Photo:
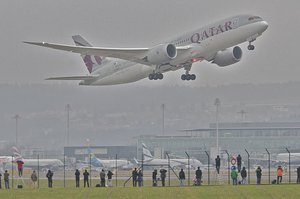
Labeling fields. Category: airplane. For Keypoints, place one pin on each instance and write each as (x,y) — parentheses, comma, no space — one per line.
(109,164)
(149,160)
(215,43)
(284,158)
(35,163)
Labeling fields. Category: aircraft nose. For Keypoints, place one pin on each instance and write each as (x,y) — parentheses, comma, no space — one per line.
(265,25)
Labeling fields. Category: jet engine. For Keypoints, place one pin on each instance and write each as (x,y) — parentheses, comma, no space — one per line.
(161,54)
(228,56)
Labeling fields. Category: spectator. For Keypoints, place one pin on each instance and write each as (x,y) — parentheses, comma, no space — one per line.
(0,181)
(154,180)
(239,163)
(181,177)
(34,179)
(198,176)
(258,175)
(20,167)
(234,175)
(49,175)
(109,178)
(77,178)
(218,163)
(140,178)
(102,178)
(298,175)
(244,175)
(134,177)
(163,176)
(279,174)
(86,178)
(6,179)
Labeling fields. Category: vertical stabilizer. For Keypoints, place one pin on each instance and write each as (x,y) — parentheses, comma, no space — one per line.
(146,153)
(92,62)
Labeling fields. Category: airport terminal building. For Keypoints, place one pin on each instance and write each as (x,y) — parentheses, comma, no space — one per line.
(233,137)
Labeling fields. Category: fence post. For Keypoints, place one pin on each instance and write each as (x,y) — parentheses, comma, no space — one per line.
(169,169)
(289,164)
(208,168)
(90,170)
(188,168)
(269,160)
(116,170)
(12,172)
(249,173)
(228,164)
(64,171)
(38,171)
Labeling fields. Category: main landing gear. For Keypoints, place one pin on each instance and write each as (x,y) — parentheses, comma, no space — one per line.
(156,76)
(187,76)
(250,46)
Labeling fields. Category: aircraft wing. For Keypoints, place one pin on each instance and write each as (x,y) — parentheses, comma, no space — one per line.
(131,54)
(73,78)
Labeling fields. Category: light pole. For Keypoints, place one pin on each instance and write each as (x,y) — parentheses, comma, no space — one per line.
(217,104)
(16,117)
(163,118)
(68,108)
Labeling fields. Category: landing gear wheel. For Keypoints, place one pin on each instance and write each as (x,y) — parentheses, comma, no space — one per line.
(160,76)
(193,77)
(183,77)
(155,76)
(251,47)
(150,77)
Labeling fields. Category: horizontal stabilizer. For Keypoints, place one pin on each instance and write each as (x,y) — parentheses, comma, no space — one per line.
(73,78)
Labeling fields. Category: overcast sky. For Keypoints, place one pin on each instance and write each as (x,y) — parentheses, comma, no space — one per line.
(143,23)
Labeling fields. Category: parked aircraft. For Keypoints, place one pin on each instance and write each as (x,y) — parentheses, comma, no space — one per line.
(149,160)
(215,43)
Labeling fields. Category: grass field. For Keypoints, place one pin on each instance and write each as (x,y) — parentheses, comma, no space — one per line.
(224,192)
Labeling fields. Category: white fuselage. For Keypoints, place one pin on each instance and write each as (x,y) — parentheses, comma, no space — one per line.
(204,43)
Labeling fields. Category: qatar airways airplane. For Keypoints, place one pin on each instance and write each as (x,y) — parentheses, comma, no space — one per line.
(215,43)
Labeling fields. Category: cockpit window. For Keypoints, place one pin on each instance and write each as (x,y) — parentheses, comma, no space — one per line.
(253,18)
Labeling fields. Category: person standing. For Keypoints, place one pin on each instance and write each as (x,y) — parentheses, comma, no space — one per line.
(234,175)
(244,175)
(6,179)
(239,163)
(34,179)
(258,175)
(181,177)
(49,175)
(279,174)
(86,178)
(163,176)
(77,178)
(198,176)
(0,181)
(298,175)
(140,178)
(218,164)
(134,177)
(154,180)
(20,167)
(109,178)
(102,178)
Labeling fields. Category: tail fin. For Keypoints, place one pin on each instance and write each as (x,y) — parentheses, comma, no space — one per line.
(146,153)
(94,160)
(92,62)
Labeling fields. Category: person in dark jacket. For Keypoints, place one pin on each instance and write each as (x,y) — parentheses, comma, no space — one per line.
(0,181)
(109,178)
(244,175)
(6,179)
(86,178)
(102,178)
(198,176)
(258,175)
(49,175)
(134,177)
(163,176)
(181,177)
(218,163)
(239,162)
(154,180)
(77,177)
(140,178)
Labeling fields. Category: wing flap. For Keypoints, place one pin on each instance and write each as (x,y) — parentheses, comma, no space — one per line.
(73,78)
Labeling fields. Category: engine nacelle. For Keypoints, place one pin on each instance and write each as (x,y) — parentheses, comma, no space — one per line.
(161,54)
(228,56)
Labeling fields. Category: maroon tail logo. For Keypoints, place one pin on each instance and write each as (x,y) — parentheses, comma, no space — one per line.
(89,62)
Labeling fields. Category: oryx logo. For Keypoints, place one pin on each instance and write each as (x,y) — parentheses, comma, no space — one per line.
(91,61)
